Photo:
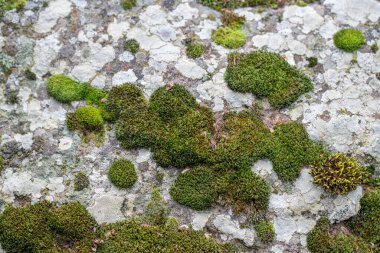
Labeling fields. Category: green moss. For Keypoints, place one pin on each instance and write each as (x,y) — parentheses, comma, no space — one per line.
(94,96)
(339,174)
(291,149)
(72,222)
(265,231)
(301,4)
(132,46)
(64,89)
(7,5)
(266,74)
(194,50)
(229,18)
(25,229)
(81,181)
(1,164)
(136,237)
(30,75)
(349,40)
(320,240)
(122,174)
(374,48)
(366,224)
(243,140)
(313,61)
(222,4)
(244,191)
(87,118)
(128,4)
(156,211)
(229,37)
(194,188)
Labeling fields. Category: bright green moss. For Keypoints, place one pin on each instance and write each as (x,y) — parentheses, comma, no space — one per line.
(194,188)
(244,191)
(87,118)
(136,237)
(291,149)
(128,4)
(122,174)
(194,50)
(7,5)
(243,141)
(367,223)
(266,74)
(64,89)
(232,4)
(81,181)
(265,231)
(132,46)
(72,221)
(320,240)
(229,37)
(25,229)
(349,40)
(313,61)
(156,211)
(339,174)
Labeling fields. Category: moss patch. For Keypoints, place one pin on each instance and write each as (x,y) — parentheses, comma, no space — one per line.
(7,5)
(122,174)
(221,4)
(194,50)
(81,181)
(266,74)
(229,37)
(128,4)
(1,164)
(156,211)
(132,46)
(349,40)
(194,188)
(64,89)
(265,231)
(339,174)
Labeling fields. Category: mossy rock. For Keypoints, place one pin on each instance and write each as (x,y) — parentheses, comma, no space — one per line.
(266,74)
(64,89)
(349,40)
(122,174)
(244,191)
(339,174)
(134,236)
(194,188)
(229,37)
(232,4)
(265,231)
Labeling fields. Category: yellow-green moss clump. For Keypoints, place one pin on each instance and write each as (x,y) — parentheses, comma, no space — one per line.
(367,223)
(339,174)
(132,46)
(349,40)
(7,5)
(122,174)
(194,49)
(222,4)
(85,119)
(266,74)
(44,227)
(321,240)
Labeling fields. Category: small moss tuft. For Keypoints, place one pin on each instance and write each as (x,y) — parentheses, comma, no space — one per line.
(223,4)
(349,40)
(64,89)
(194,50)
(87,118)
(313,61)
(156,211)
(229,18)
(374,48)
(229,37)
(339,174)
(7,5)
(128,4)
(265,231)
(194,188)
(1,164)
(81,181)
(132,46)
(266,74)
(30,75)
(122,174)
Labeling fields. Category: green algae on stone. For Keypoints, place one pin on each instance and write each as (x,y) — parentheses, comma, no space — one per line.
(266,74)
(194,188)
(229,37)
(122,174)
(349,40)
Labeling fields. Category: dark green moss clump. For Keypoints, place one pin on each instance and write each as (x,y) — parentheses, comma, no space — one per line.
(44,227)
(266,74)
(128,4)
(349,40)
(122,174)
(222,4)
(313,61)
(367,223)
(194,188)
(244,191)
(137,237)
(194,50)
(265,231)
(132,46)
(30,75)
(321,240)
(81,181)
